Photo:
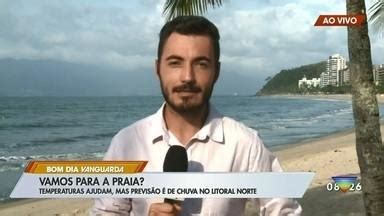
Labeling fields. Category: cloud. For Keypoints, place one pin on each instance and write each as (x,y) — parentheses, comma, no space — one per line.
(80,33)
(277,35)
(258,38)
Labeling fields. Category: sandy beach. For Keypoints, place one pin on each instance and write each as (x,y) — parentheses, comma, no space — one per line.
(326,156)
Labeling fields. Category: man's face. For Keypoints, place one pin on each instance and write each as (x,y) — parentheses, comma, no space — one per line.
(187,71)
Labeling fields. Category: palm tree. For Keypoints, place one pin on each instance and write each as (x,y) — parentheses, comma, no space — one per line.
(369,146)
(174,8)
(377,15)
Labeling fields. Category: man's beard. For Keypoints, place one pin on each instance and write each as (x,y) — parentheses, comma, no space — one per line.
(186,107)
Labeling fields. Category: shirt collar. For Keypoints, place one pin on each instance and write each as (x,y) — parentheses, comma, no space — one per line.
(212,128)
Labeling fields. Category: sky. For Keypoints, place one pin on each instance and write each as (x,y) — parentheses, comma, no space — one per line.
(258,38)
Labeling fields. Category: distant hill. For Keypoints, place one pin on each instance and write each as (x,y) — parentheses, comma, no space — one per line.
(56,78)
(286,81)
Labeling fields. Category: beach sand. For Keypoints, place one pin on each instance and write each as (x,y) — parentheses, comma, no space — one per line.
(326,156)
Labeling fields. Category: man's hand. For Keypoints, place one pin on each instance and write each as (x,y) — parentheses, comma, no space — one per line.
(164,209)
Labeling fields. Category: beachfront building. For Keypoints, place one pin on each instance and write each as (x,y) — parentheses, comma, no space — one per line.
(335,64)
(378,74)
(304,82)
(344,76)
(324,79)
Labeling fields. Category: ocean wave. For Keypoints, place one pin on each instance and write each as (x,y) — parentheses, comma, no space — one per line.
(333,113)
(11,167)
(15,158)
(331,100)
(302,122)
(328,114)
(343,111)
(278,127)
(52,156)
(62,140)
(57,124)
(295,119)
(17,162)
(269,127)
(42,142)
(93,136)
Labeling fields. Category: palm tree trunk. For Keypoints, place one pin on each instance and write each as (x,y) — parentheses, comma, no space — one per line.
(369,146)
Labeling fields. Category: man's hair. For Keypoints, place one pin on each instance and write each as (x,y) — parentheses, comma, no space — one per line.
(190,25)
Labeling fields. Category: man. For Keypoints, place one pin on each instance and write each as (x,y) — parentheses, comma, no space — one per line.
(188,66)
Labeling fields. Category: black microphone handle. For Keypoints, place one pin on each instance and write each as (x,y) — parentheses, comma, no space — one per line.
(173,201)
(176,160)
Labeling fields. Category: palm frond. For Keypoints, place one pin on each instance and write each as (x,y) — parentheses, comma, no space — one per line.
(174,8)
(376,15)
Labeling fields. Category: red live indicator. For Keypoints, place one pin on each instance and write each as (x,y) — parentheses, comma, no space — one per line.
(340,20)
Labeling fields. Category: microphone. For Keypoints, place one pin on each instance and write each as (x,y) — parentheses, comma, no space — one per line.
(176,160)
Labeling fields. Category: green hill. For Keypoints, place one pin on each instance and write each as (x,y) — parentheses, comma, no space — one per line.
(286,81)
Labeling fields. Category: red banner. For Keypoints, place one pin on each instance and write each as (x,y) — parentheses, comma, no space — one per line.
(340,20)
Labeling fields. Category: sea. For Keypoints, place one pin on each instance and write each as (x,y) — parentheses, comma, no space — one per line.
(60,128)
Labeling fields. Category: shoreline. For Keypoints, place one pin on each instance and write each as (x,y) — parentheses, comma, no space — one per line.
(308,141)
(340,97)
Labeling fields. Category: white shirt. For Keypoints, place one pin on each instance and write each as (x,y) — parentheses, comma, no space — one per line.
(221,145)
